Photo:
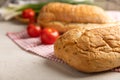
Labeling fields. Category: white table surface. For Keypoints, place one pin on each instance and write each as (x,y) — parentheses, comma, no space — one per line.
(17,64)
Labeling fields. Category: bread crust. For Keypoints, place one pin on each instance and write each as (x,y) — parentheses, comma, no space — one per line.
(73,13)
(61,15)
(92,50)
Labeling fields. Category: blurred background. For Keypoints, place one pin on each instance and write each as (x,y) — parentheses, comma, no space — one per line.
(109,4)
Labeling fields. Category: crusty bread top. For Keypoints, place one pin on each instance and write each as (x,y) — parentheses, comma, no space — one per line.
(91,39)
(68,13)
(101,39)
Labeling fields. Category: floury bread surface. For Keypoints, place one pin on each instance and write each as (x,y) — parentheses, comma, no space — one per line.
(63,16)
(92,50)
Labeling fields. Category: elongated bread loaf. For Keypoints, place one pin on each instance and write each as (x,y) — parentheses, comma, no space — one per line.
(73,13)
(61,15)
(92,50)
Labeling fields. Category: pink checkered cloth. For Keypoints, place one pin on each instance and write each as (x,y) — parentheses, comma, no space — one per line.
(35,46)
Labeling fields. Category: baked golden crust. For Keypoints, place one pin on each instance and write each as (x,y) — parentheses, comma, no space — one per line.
(61,15)
(90,50)
(73,13)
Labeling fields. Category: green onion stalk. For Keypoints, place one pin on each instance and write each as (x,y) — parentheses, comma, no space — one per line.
(13,10)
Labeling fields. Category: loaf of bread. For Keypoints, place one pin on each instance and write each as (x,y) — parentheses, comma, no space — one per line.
(63,16)
(93,50)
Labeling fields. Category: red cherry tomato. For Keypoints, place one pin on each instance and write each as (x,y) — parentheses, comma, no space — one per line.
(33,30)
(28,13)
(49,35)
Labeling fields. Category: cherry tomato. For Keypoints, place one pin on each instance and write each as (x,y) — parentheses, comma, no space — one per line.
(49,35)
(28,13)
(33,30)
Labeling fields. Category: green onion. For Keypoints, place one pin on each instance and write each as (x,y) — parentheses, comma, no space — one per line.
(14,10)
(40,5)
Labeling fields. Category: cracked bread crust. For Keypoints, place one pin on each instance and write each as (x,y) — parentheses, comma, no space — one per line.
(93,50)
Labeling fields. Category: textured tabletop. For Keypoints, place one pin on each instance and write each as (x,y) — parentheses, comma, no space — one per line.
(17,64)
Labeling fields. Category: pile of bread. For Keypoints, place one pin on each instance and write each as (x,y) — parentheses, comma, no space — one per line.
(91,39)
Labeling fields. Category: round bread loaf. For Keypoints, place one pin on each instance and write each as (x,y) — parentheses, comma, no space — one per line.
(92,50)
